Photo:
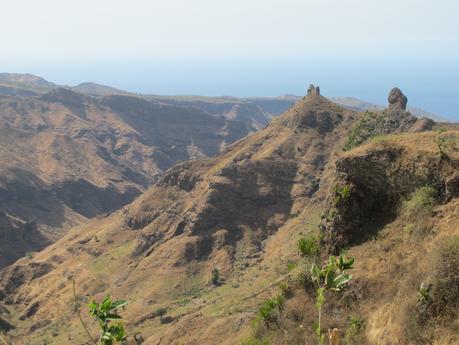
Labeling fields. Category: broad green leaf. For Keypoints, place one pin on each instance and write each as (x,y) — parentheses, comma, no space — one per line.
(113,317)
(330,279)
(118,304)
(118,331)
(315,273)
(342,280)
(348,264)
(106,303)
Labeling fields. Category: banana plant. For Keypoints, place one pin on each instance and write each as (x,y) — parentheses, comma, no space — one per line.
(105,313)
(331,277)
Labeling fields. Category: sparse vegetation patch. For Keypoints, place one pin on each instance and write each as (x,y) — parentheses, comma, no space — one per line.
(419,203)
(367,127)
(215,276)
(445,281)
(308,246)
(437,299)
(341,192)
(447,144)
(354,329)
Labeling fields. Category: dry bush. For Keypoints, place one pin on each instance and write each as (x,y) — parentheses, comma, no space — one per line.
(297,322)
(437,302)
(445,280)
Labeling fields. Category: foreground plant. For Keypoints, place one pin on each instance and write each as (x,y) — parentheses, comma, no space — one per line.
(330,277)
(105,313)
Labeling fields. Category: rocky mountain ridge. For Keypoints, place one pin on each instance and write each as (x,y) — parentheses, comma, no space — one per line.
(15,84)
(67,157)
(240,211)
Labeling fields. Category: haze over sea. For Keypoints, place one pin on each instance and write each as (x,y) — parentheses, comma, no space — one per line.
(432,85)
(356,48)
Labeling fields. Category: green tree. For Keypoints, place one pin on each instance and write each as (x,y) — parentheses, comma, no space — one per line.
(330,277)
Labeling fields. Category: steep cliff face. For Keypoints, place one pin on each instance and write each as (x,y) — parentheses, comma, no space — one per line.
(241,212)
(371,183)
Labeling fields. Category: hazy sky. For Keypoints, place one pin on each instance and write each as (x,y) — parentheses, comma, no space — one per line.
(241,47)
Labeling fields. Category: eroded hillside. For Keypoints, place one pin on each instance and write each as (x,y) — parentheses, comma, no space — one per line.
(393,206)
(240,212)
(68,157)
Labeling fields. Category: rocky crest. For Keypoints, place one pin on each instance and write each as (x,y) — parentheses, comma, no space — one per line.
(397,118)
(252,175)
(313,90)
(393,119)
(396,99)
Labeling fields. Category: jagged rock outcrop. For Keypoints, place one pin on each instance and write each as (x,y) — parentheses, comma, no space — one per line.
(396,118)
(371,182)
(313,90)
(393,119)
(397,100)
(14,276)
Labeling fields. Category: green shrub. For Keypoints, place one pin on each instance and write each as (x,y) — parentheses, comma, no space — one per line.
(161,312)
(341,193)
(447,144)
(291,265)
(354,328)
(269,310)
(285,290)
(423,294)
(369,125)
(419,203)
(215,276)
(183,302)
(308,246)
